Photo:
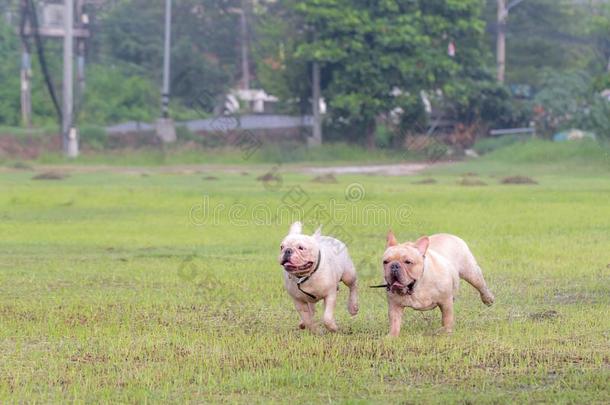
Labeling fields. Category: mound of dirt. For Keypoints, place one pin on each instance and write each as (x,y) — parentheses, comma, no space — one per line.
(518,180)
(268,177)
(466,181)
(50,176)
(327,178)
(425,181)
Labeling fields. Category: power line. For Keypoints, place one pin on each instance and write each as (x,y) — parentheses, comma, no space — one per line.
(42,59)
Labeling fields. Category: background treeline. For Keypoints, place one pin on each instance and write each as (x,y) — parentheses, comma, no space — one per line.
(376,58)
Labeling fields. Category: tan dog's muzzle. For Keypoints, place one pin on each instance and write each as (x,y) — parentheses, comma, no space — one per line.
(399,282)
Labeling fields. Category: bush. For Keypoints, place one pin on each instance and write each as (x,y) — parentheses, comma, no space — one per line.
(113,95)
(571,101)
(487,103)
(93,136)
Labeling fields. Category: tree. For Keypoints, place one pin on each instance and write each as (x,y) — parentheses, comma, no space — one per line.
(542,35)
(369,50)
(204,45)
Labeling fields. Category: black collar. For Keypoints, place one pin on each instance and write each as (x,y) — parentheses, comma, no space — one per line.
(301,280)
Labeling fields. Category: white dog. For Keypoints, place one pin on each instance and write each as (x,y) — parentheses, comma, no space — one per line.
(313,266)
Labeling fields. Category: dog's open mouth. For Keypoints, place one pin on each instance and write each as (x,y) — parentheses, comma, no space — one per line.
(291,268)
(399,288)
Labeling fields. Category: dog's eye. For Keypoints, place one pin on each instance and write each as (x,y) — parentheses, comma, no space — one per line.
(408,262)
(386,261)
(301,248)
(282,247)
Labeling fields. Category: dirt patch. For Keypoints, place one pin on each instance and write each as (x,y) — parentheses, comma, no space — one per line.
(327,178)
(425,181)
(406,169)
(544,315)
(245,173)
(210,178)
(50,176)
(518,180)
(466,181)
(269,177)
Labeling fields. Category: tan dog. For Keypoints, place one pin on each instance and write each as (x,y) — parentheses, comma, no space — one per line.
(313,266)
(426,274)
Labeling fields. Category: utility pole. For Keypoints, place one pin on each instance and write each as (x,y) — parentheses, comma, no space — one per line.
(165,125)
(26,70)
(83,21)
(69,134)
(316,138)
(501,41)
(245,68)
(502,17)
(166,59)
(26,88)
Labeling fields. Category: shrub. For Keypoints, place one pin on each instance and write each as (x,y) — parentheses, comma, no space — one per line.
(93,136)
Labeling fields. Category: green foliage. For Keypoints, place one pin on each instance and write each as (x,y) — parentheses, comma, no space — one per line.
(204,47)
(93,137)
(602,82)
(113,95)
(9,77)
(368,50)
(598,29)
(543,35)
(486,102)
(569,101)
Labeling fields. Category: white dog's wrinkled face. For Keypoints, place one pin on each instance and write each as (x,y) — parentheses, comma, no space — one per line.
(403,264)
(298,252)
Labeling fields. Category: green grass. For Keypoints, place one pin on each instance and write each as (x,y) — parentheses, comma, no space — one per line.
(110,292)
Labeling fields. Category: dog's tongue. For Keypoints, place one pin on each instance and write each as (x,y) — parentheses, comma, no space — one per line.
(397,285)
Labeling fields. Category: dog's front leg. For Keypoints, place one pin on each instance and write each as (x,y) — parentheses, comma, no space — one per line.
(330,302)
(447,311)
(395,314)
(306,311)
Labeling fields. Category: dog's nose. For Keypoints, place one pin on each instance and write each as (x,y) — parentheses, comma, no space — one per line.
(288,252)
(394,268)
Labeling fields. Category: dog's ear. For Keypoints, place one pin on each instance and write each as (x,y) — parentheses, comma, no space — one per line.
(318,232)
(391,239)
(296,228)
(422,244)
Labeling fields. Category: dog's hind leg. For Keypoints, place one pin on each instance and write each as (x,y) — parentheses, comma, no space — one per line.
(474,276)
(350,279)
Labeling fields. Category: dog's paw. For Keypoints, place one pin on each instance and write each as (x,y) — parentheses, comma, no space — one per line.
(353,308)
(443,331)
(488,299)
(331,326)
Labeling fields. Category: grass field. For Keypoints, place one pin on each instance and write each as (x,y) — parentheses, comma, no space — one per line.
(118,287)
